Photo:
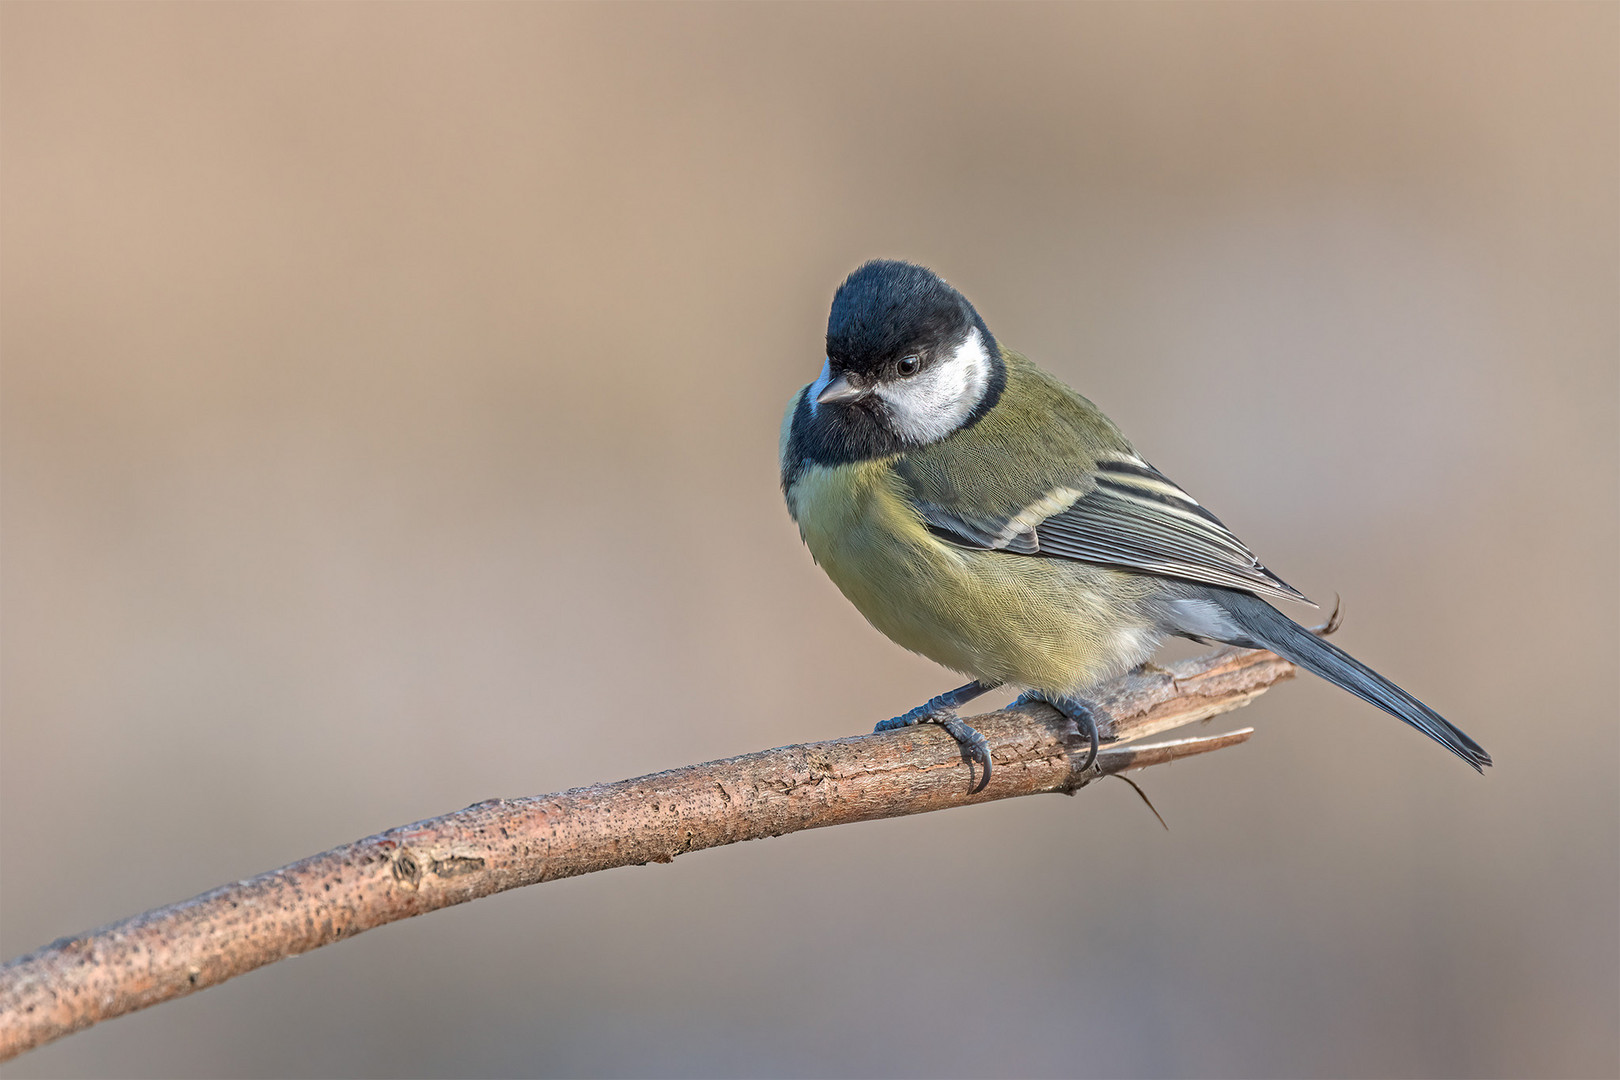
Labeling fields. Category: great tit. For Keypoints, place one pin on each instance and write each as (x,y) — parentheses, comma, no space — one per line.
(981,513)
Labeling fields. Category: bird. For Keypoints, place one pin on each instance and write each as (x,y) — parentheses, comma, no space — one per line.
(979,512)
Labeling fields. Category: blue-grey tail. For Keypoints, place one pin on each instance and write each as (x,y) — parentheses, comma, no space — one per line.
(1264,627)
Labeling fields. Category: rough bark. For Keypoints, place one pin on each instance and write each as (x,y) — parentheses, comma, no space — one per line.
(506,843)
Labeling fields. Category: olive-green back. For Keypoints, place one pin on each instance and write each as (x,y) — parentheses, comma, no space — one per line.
(1040,437)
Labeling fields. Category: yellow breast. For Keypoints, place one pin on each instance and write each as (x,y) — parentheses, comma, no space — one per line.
(1034,622)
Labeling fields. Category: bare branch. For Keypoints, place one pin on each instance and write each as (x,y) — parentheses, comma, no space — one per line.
(506,843)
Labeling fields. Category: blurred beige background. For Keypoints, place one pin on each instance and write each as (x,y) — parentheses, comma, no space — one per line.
(389,422)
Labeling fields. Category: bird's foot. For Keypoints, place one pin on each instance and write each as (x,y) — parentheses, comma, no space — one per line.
(1090,719)
(941,710)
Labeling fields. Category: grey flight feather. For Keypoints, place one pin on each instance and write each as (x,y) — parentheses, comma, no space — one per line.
(1132,517)
(1240,619)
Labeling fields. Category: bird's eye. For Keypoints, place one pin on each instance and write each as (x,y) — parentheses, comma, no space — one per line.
(908,366)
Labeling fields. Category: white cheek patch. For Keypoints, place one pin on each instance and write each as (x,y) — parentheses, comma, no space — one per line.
(936,402)
(820,384)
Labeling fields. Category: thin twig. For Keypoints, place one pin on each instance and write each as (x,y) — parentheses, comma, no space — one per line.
(1144,797)
(506,843)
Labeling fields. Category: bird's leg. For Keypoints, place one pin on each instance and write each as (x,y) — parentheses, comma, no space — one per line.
(941,710)
(1091,719)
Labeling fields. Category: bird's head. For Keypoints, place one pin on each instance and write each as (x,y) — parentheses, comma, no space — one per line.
(908,359)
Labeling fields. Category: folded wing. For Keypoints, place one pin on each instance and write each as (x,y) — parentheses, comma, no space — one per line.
(1128,515)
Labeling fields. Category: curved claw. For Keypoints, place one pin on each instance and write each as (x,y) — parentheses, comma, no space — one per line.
(1088,718)
(974,747)
(1089,727)
(941,710)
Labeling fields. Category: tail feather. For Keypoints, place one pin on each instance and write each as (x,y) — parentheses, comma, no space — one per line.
(1264,627)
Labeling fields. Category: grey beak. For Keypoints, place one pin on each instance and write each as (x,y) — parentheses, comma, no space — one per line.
(840,390)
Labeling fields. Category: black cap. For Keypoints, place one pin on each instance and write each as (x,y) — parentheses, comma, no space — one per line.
(888,309)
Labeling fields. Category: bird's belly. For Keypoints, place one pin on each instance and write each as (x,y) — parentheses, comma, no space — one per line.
(1052,625)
